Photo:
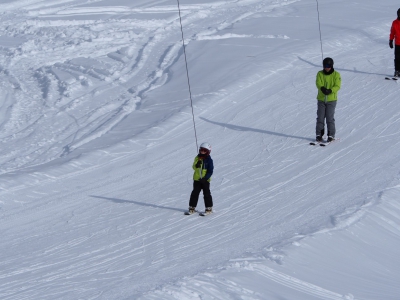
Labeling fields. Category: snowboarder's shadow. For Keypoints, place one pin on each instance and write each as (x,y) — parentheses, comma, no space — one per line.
(241,128)
(119,201)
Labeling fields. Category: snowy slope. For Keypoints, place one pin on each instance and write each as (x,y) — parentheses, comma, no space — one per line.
(356,261)
(97,143)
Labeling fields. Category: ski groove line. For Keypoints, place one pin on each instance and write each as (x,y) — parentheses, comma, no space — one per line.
(297,284)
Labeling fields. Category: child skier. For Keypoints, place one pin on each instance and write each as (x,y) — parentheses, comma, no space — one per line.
(203,169)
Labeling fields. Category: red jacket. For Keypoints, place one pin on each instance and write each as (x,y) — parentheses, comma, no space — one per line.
(395,32)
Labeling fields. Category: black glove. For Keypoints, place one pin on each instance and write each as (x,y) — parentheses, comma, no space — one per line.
(326,91)
(198,164)
(391,44)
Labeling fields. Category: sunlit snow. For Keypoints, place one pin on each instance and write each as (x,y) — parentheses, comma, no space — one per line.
(97,142)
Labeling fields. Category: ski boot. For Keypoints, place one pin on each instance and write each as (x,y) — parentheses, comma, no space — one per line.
(190,211)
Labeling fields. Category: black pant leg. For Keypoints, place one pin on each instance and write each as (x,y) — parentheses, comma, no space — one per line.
(208,202)
(397,57)
(194,196)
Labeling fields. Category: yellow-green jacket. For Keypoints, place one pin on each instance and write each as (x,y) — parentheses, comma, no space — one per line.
(331,81)
(205,170)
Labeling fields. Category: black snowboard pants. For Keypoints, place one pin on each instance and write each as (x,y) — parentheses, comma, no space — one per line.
(194,196)
(326,111)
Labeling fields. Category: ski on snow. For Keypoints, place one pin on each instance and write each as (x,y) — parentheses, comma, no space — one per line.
(323,144)
(204,213)
(391,78)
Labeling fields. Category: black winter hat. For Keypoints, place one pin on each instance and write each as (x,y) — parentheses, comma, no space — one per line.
(327,62)
(398,12)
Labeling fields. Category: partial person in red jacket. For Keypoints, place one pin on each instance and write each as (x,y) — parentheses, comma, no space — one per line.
(395,35)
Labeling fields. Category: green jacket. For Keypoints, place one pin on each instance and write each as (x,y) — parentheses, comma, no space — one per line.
(332,81)
(205,170)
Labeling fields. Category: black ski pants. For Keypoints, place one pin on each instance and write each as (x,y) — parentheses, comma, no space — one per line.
(326,110)
(397,57)
(194,196)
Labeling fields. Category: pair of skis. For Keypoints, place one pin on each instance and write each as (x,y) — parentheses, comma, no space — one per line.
(391,78)
(322,143)
(203,213)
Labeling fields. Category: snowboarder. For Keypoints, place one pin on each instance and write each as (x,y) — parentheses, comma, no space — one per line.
(328,84)
(395,35)
(203,167)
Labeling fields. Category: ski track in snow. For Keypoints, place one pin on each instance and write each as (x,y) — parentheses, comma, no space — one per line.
(111,236)
(117,74)
(113,69)
(242,276)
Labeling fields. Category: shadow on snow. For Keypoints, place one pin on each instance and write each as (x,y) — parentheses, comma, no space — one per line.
(119,201)
(241,128)
(341,69)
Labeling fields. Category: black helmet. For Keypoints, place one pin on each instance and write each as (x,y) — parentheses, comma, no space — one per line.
(398,12)
(327,62)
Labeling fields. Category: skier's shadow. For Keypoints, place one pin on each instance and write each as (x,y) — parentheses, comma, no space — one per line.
(241,128)
(119,201)
(341,69)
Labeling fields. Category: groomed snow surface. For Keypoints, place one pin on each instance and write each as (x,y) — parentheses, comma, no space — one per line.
(97,143)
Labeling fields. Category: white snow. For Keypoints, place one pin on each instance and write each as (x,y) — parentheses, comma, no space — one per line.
(97,143)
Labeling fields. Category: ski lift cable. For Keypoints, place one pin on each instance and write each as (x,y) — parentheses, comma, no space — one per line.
(320,34)
(187,75)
